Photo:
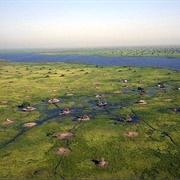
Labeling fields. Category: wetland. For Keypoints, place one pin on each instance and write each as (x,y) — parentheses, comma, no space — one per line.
(88,121)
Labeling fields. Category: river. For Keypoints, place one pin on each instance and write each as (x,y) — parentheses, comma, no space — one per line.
(164,62)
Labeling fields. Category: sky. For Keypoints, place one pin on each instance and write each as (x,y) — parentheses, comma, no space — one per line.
(88,23)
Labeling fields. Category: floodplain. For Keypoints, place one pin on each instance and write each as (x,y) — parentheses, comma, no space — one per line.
(73,120)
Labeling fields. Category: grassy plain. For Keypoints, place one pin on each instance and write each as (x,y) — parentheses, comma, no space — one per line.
(29,152)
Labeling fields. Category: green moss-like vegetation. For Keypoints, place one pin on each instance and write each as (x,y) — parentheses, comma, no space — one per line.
(29,152)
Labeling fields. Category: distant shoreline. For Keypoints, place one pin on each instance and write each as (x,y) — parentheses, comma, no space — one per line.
(154,51)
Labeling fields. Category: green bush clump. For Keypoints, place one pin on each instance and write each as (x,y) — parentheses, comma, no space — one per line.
(25,104)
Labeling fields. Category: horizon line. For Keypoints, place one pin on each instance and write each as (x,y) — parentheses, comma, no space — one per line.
(98,47)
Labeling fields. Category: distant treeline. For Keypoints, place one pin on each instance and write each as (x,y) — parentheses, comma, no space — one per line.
(133,51)
(122,51)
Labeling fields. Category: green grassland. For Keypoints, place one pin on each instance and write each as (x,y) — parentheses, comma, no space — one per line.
(29,152)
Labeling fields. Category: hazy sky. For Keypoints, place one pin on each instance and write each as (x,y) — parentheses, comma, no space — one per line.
(93,23)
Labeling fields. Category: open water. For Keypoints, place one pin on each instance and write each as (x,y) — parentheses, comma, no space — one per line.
(164,62)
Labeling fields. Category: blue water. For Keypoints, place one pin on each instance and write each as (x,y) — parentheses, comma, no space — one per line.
(164,62)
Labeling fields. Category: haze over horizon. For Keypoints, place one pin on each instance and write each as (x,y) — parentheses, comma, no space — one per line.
(83,24)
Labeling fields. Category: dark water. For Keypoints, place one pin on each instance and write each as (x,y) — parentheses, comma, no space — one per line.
(164,62)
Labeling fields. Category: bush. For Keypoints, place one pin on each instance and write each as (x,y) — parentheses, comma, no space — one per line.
(25,104)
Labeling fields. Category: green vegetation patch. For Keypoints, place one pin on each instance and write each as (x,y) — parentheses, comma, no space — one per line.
(132,123)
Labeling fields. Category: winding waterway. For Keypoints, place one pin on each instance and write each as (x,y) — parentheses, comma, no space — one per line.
(164,62)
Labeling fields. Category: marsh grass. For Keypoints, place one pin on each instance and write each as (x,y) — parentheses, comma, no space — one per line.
(149,155)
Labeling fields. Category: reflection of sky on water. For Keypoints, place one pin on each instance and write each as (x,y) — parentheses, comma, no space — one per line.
(164,62)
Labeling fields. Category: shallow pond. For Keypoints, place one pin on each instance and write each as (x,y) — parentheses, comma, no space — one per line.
(163,62)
